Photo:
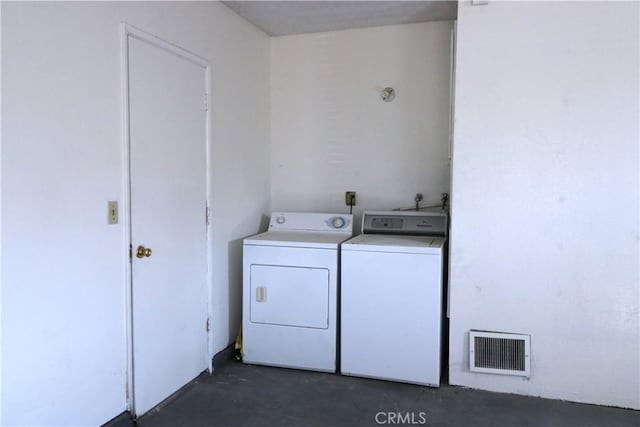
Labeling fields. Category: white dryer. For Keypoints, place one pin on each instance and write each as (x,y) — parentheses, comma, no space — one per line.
(290,291)
(391,297)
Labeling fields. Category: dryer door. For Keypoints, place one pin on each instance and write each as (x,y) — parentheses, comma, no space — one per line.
(290,296)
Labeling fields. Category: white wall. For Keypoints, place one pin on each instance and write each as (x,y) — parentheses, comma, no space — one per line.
(330,131)
(545,195)
(63,341)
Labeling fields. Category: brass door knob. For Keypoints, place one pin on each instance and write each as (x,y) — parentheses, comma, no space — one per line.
(142,252)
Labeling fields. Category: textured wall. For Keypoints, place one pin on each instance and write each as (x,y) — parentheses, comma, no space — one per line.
(544,234)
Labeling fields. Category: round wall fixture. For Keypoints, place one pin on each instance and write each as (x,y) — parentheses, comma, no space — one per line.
(387,94)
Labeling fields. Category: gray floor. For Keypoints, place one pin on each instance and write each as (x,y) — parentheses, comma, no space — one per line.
(244,395)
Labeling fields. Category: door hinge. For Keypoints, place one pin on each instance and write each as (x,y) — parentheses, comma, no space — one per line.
(206,101)
(206,214)
(208,324)
(130,252)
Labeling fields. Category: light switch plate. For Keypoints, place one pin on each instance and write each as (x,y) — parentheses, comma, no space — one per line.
(113,212)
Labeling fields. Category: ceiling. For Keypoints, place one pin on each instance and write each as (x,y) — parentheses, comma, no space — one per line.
(278,18)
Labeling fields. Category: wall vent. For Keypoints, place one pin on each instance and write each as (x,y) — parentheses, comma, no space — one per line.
(499,353)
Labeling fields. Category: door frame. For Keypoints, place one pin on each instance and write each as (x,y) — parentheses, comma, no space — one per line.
(126,31)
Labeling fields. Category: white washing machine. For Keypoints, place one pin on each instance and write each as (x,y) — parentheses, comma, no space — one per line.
(391,297)
(290,291)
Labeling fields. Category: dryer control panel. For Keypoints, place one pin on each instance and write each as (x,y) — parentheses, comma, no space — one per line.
(311,222)
(405,223)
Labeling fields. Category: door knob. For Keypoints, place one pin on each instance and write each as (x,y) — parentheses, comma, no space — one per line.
(142,252)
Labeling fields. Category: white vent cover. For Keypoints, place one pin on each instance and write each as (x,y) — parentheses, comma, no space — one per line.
(499,353)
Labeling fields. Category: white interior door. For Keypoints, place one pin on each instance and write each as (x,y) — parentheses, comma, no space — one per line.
(167,134)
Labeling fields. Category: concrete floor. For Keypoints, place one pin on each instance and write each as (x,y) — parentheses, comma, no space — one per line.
(244,395)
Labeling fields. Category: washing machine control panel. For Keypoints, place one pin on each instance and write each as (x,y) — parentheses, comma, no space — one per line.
(311,222)
(405,223)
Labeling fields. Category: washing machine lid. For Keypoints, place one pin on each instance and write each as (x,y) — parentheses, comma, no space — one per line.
(396,244)
(298,239)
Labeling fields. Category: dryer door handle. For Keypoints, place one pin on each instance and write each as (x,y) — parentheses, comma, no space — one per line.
(261,294)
